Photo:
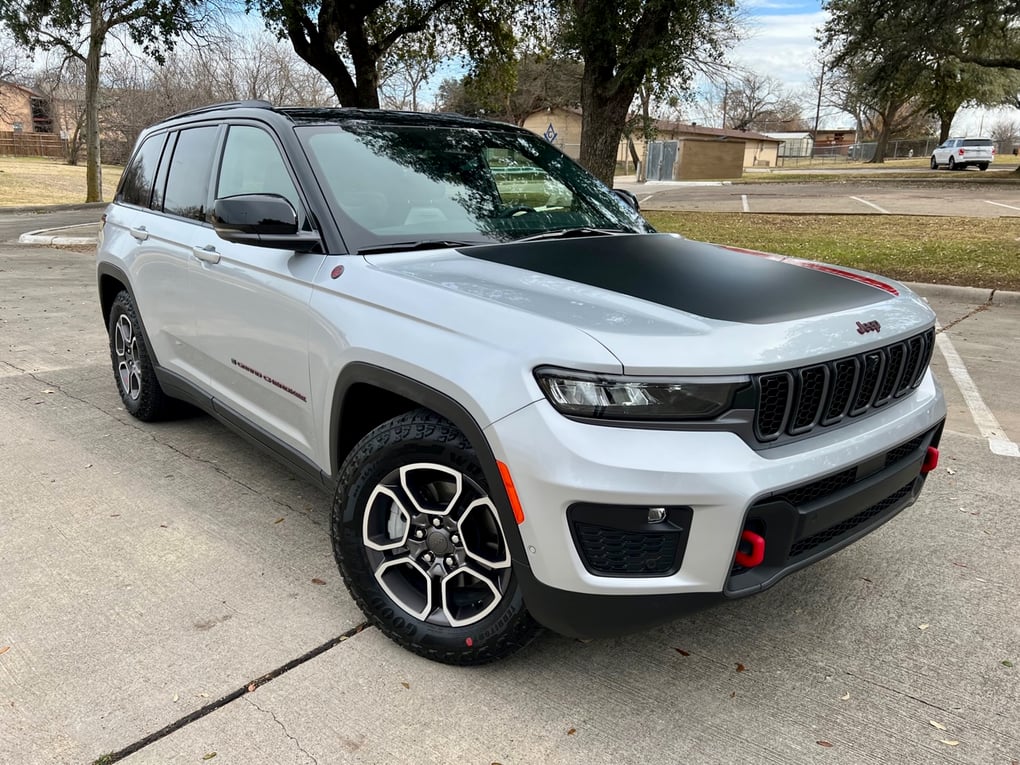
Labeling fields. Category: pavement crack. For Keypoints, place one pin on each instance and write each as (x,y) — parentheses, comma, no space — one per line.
(898,692)
(249,687)
(57,387)
(954,322)
(283,727)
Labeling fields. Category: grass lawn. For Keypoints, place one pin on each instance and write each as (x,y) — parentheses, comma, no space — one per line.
(28,181)
(976,252)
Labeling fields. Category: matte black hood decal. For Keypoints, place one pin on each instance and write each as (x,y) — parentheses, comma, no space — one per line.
(698,278)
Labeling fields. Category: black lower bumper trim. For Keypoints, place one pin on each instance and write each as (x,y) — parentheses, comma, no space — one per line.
(581,615)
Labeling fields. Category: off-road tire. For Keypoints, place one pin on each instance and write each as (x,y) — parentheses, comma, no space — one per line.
(132,368)
(403,445)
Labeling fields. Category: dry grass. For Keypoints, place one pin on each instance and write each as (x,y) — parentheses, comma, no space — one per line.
(976,252)
(26,181)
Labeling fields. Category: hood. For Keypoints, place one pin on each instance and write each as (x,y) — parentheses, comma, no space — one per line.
(666,305)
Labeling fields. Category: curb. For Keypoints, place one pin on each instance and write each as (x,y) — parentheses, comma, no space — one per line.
(965,294)
(49,236)
(54,208)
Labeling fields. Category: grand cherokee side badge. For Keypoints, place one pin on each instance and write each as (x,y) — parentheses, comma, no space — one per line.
(868,326)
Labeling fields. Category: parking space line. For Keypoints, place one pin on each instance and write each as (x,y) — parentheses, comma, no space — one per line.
(983,417)
(1000,204)
(744,203)
(871,204)
(645,199)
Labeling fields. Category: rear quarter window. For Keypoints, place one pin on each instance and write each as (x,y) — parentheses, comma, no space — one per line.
(139,176)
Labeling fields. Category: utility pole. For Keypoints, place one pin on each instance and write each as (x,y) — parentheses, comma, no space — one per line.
(725,98)
(818,108)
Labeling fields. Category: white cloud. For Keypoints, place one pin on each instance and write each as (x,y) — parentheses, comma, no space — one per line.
(781,46)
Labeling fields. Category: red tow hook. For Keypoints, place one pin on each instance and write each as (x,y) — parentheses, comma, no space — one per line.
(757,554)
(931,460)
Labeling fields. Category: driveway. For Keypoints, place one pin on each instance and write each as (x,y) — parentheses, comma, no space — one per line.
(169,594)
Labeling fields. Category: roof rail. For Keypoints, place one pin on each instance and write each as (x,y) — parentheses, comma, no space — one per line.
(253,104)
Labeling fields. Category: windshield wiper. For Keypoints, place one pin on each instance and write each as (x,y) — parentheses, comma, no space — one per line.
(568,233)
(420,244)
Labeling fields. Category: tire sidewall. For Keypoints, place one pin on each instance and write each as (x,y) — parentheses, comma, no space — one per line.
(143,407)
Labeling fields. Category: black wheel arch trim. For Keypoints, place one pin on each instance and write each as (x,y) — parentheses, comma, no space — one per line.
(358,372)
(114,272)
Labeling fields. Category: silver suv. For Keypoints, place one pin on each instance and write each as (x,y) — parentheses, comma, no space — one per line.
(534,409)
(959,153)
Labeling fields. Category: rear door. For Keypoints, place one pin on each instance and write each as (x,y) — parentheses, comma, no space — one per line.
(977,150)
(252,312)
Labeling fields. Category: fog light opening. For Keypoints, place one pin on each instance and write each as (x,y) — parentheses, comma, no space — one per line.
(656,514)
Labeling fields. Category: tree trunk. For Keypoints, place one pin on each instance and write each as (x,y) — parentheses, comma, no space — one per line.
(603,118)
(945,124)
(93,166)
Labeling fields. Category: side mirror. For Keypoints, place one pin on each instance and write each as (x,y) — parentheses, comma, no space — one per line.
(262,220)
(629,198)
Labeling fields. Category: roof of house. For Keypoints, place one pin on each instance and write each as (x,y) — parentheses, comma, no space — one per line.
(673,126)
(801,135)
(31,91)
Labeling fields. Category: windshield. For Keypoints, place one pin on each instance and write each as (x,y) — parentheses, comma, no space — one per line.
(394,184)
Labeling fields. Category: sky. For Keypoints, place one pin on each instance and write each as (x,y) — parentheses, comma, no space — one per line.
(781,43)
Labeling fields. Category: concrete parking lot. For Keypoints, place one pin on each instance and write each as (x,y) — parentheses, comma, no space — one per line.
(875,196)
(167,590)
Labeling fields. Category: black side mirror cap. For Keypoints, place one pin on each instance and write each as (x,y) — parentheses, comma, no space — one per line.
(262,220)
(629,198)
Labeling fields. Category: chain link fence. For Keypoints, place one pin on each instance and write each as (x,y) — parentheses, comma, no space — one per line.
(908,148)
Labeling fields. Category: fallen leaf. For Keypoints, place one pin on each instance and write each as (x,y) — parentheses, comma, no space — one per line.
(48,390)
(740,667)
(88,466)
(826,744)
(406,685)
(318,581)
(733,695)
(251,687)
(572,731)
(949,743)
(938,725)
(4,648)
(176,698)
(682,652)
(208,756)
(950,471)
(845,696)
(204,695)
(163,526)
(923,626)
(1005,662)
(278,520)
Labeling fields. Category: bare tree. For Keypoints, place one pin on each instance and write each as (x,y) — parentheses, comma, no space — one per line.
(760,102)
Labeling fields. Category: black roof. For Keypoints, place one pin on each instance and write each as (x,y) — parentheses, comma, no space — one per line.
(327,115)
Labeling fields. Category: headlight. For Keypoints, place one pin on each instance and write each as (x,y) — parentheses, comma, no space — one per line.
(614,397)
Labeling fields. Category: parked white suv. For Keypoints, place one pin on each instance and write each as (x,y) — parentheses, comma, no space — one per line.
(534,409)
(959,153)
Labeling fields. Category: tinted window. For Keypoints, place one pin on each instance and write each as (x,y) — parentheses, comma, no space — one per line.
(137,181)
(977,142)
(252,165)
(187,184)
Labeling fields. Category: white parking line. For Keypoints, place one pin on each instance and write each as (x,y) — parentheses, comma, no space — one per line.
(645,198)
(1000,204)
(744,203)
(983,417)
(871,204)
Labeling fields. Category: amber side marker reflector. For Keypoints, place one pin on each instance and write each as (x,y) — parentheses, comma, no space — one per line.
(511,492)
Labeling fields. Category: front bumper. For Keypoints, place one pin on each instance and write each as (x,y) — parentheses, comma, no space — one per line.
(808,498)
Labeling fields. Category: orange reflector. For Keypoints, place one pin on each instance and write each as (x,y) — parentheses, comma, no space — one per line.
(511,492)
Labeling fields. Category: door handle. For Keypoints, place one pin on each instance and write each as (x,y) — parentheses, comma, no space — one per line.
(206,254)
(139,233)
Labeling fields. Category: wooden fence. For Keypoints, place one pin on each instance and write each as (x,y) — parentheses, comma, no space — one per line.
(31,144)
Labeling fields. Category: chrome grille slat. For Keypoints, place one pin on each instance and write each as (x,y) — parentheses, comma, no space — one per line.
(792,403)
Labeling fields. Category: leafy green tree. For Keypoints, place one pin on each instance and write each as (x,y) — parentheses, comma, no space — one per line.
(347,40)
(79,29)
(624,43)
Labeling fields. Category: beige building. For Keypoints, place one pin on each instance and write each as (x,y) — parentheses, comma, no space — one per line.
(562,128)
(24,110)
